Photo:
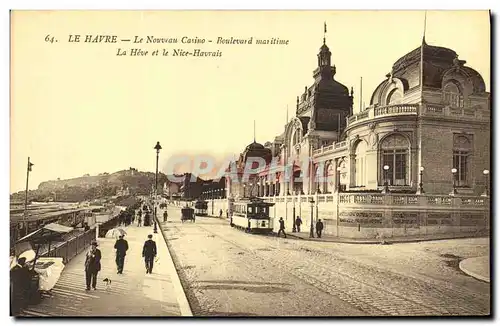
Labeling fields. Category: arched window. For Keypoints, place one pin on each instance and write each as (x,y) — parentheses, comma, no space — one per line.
(360,164)
(394,97)
(452,95)
(395,154)
(330,178)
(462,151)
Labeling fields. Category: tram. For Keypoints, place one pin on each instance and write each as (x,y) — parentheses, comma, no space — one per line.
(251,215)
(201,207)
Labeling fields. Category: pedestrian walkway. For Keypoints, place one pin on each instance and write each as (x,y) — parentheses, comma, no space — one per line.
(133,293)
(477,267)
(414,238)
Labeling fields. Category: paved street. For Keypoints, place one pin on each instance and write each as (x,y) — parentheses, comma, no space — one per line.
(227,272)
(133,293)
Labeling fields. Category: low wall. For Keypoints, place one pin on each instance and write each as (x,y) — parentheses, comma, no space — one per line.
(374,216)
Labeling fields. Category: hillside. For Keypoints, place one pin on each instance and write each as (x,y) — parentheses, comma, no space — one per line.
(92,187)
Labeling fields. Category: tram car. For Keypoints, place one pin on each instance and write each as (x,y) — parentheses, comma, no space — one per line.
(251,215)
(201,208)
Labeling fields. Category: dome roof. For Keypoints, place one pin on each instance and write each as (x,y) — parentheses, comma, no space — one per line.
(254,146)
(324,48)
(432,54)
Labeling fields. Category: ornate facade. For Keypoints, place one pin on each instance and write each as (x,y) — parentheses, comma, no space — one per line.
(430,116)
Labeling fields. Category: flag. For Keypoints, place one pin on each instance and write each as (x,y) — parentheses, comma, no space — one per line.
(325,27)
(30,165)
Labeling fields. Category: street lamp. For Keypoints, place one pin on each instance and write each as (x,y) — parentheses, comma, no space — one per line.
(25,215)
(244,192)
(486,183)
(454,174)
(386,184)
(311,234)
(421,184)
(157,147)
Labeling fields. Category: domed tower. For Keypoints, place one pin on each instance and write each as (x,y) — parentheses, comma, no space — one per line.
(327,103)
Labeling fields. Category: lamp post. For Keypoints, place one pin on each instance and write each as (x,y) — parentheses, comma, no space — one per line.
(157,147)
(311,233)
(244,190)
(386,183)
(486,183)
(454,174)
(25,215)
(421,184)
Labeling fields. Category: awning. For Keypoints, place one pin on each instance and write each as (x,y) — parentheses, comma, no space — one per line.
(49,231)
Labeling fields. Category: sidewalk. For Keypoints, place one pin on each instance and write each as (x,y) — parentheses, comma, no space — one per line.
(416,238)
(478,267)
(133,293)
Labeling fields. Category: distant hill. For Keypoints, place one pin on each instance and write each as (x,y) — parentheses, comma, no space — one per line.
(87,187)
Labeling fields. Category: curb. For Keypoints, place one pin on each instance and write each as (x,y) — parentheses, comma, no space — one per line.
(475,275)
(182,300)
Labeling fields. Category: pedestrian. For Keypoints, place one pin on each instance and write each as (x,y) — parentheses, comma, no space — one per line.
(220,213)
(92,265)
(121,246)
(165,216)
(319,228)
(20,277)
(149,253)
(298,223)
(282,227)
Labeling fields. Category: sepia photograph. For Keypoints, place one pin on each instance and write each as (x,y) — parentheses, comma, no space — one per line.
(253,163)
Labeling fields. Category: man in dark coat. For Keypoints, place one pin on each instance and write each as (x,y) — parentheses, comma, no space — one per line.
(282,227)
(319,228)
(92,265)
(121,247)
(298,223)
(149,253)
(20,286)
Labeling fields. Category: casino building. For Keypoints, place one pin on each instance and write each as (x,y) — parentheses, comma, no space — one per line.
(427,123)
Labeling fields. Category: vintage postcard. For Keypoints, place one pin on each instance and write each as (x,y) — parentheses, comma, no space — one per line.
(250,163)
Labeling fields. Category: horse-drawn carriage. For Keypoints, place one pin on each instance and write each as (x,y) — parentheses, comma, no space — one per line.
(187,214)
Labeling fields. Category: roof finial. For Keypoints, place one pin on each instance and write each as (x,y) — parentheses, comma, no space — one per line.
(324,35)
(254,131)
(425,26)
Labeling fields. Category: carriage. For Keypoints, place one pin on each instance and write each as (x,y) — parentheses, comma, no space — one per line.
(201,208)
(251,215)
(187,214)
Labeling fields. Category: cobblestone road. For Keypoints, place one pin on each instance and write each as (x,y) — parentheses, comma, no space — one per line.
(229,272)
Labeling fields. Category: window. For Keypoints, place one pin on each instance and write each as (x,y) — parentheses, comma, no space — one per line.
(452,96)
(330,178)
(462,150)
(394,97)
(394,151)
(360,164)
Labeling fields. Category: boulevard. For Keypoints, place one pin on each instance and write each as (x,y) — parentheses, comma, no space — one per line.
(227,272)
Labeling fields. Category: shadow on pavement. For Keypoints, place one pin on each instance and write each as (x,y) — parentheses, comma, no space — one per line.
(249,288)
(242,282)
(228,314)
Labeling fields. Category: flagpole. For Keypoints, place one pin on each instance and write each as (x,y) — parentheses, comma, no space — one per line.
(26,198)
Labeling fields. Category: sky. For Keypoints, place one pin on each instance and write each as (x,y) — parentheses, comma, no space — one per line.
(78,108)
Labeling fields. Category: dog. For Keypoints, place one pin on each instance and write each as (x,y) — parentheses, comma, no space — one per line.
(108,283)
